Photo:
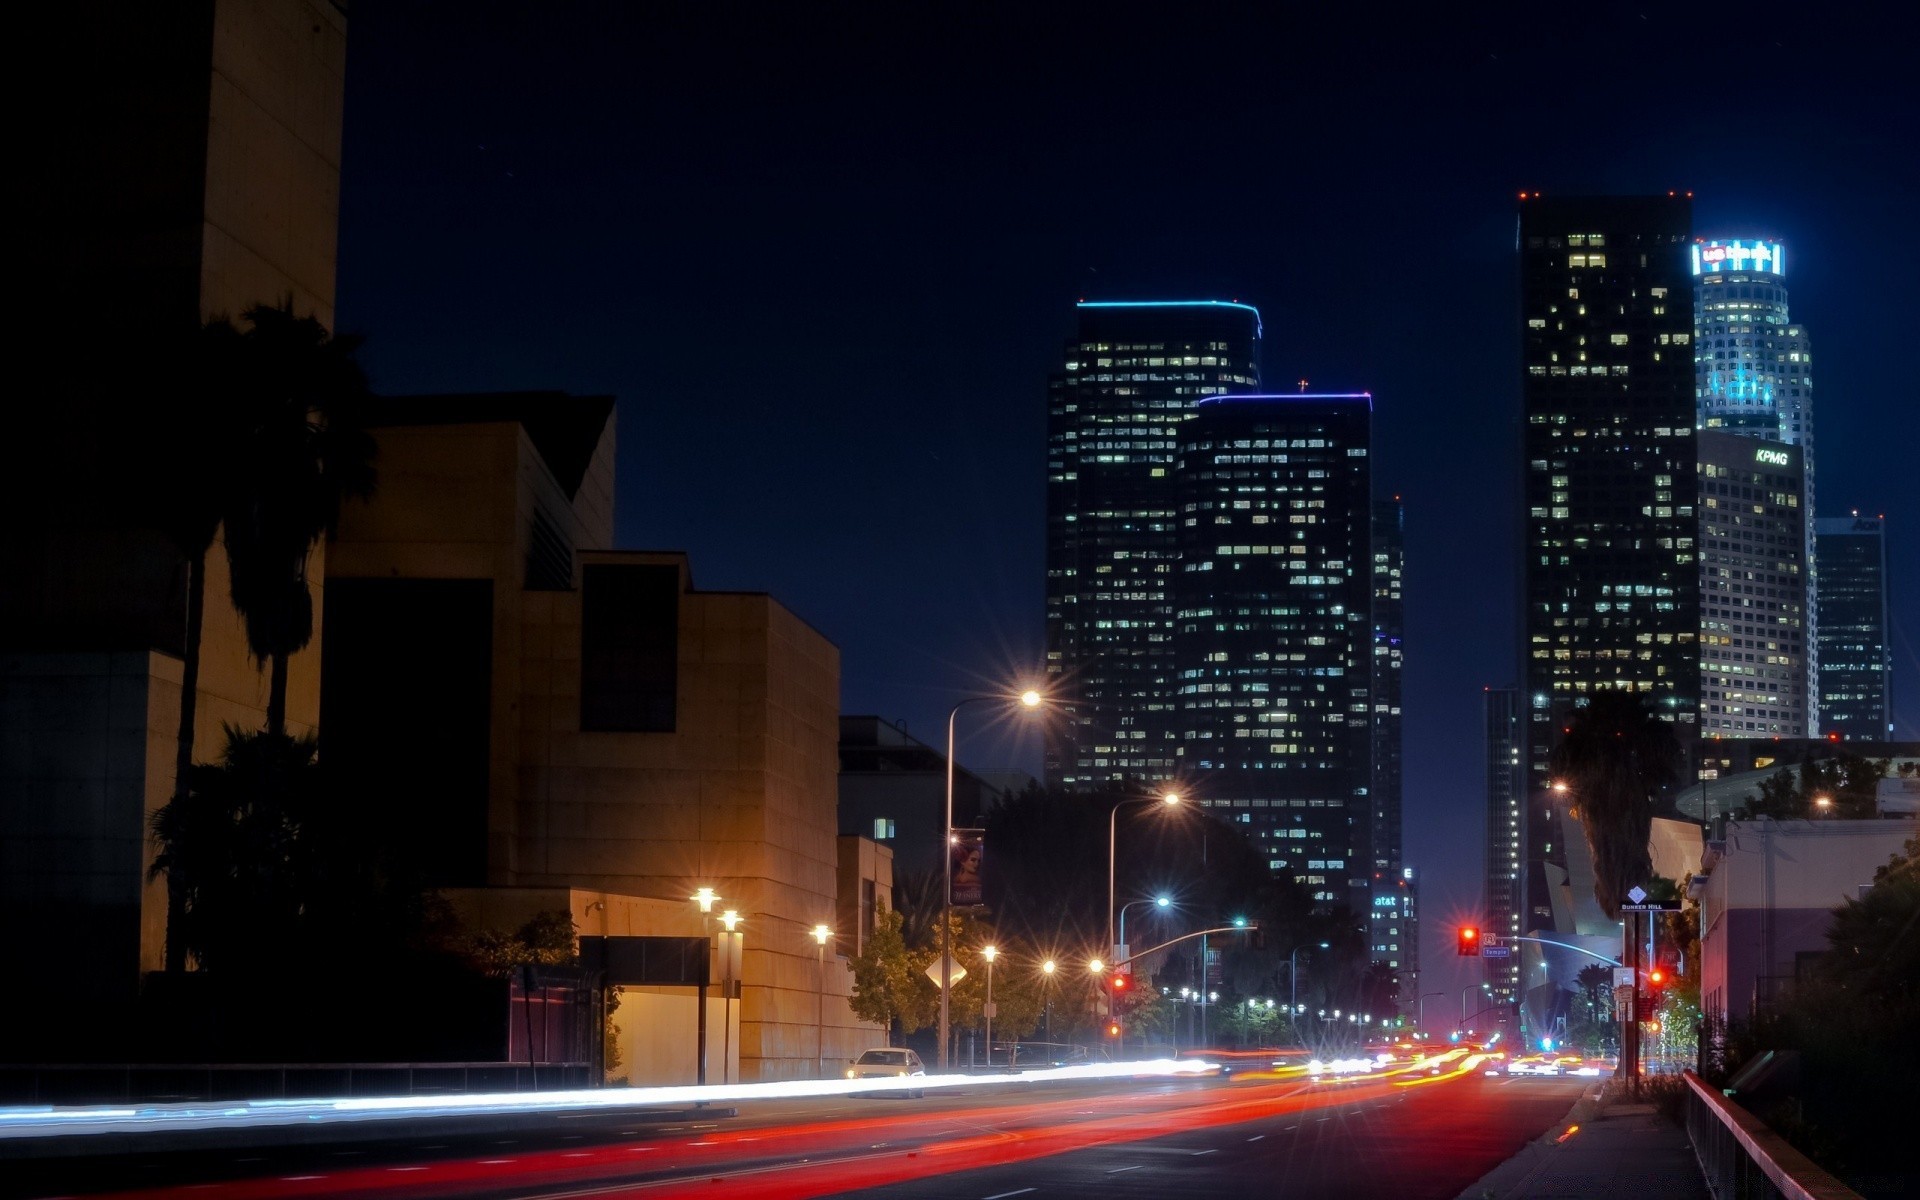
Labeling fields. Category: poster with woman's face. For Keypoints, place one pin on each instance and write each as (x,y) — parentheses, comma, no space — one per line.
(967,847)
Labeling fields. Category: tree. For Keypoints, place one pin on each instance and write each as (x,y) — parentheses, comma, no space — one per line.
(239,844)
(1614,755)
(888,988)
(303,450)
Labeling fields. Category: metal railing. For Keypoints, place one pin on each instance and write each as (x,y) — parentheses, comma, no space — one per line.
(171,1082)
(1745,1160)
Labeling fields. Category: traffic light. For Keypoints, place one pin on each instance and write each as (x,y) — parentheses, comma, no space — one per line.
(1469,940)
(1657,976)
(1122,981)
(1113,1029)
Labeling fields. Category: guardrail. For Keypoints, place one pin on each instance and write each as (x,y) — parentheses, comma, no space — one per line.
(86,1083)
(1745,1160)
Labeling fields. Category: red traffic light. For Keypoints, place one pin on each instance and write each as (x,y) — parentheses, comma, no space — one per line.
(1120,981)
(1657,976)
(1469,940)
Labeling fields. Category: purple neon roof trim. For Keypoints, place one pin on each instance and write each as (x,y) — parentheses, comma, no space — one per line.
(1367,396)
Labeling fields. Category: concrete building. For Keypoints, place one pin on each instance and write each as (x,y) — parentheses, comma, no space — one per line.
(1753,589)
(893,789)
(1767,899)
(527,713)
(186,164)
(1503,717)
(1274,629)
(1127,385)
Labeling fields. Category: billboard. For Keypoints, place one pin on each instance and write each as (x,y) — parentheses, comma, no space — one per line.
(1760,257)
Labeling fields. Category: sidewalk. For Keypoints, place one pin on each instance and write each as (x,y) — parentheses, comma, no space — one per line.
(1595,1151)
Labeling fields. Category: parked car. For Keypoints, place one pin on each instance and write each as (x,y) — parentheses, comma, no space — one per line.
(885,1062)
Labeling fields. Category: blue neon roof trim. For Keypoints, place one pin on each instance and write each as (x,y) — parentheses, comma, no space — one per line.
(1258,330)
(1367,396)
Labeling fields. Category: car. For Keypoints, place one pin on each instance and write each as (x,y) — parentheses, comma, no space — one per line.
(888,1062)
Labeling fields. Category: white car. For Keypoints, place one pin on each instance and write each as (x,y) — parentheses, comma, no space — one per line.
(888,1062)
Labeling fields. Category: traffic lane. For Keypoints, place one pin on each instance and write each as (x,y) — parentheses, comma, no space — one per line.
(1373,1141)
(585,1145)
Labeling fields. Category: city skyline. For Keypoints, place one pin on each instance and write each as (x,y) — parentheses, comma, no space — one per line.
(900,295)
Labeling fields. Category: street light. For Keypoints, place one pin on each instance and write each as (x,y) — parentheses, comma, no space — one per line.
(730,937)
(1422,1002)
(1047,969)
(1030,700)
(820,935)
(1824,804)
(1157,902)
(704,897)
(1170,799)
(989,953)
(1293,989)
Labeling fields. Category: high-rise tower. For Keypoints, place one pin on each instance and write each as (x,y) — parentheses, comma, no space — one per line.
(1753,376)
(1387,917)
(1506,792)
(1128,383)
(1610,590)
(1856,659)
(1753,588)
(1273,630)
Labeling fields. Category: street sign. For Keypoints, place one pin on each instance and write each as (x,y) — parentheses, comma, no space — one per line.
(1496,952)
(1653,906)
(1623,977)
(990,1010)
(1637,895)
(933,972)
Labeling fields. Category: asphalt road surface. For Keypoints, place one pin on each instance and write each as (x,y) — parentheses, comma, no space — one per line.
(1408,1135)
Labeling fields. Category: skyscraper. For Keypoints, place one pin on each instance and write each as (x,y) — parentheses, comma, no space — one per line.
(1127,385)
(1273,630)
(1389,626)
(1753,588)
(1611,579)
(1506,794)
(1856,659)
(1753,375)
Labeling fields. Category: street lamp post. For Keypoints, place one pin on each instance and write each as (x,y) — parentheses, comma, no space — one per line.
(1113,842)
(730,937)
(820,935)
(1423,1008)
(1047,969)
(1030,699)
(704,897)
(1293,983)
(989,953)
(1157,902)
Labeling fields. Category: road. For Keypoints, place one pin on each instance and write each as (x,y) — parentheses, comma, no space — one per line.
(1279,1134)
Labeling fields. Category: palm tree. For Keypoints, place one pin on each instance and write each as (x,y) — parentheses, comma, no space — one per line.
(304,450)
(1613,756)
(189,459)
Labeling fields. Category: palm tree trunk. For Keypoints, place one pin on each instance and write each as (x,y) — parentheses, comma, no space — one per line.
(277,696)
(183,755)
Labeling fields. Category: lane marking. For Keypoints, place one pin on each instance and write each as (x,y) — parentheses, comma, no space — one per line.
(1004,1195)
(1117,1170)
(1198,1153)
(1322,1118)
(1256,1137)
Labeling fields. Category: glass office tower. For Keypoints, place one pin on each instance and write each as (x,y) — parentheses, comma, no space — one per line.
(1856,658)
(1128,384)
(1273,630)
(1610,574)
(1753,588)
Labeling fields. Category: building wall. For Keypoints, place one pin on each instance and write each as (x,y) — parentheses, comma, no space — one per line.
(1855,679)
(1769,895)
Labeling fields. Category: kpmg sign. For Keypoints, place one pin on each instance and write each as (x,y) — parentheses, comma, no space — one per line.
(1777,458)
(1764,258)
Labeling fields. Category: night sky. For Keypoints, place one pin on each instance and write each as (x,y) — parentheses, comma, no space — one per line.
(826,258)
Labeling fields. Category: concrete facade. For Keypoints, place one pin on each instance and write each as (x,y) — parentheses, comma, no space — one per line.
(189,168)
(1767,901)
(730,784)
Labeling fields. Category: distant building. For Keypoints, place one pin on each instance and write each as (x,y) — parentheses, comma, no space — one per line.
(1127,386)
(585,725)
(1389,635)
(893,789)
(1767,901)
(1753,588)
(1503,719)
(1726,773)
(1273,630)
(1856,655)
(1610,594)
